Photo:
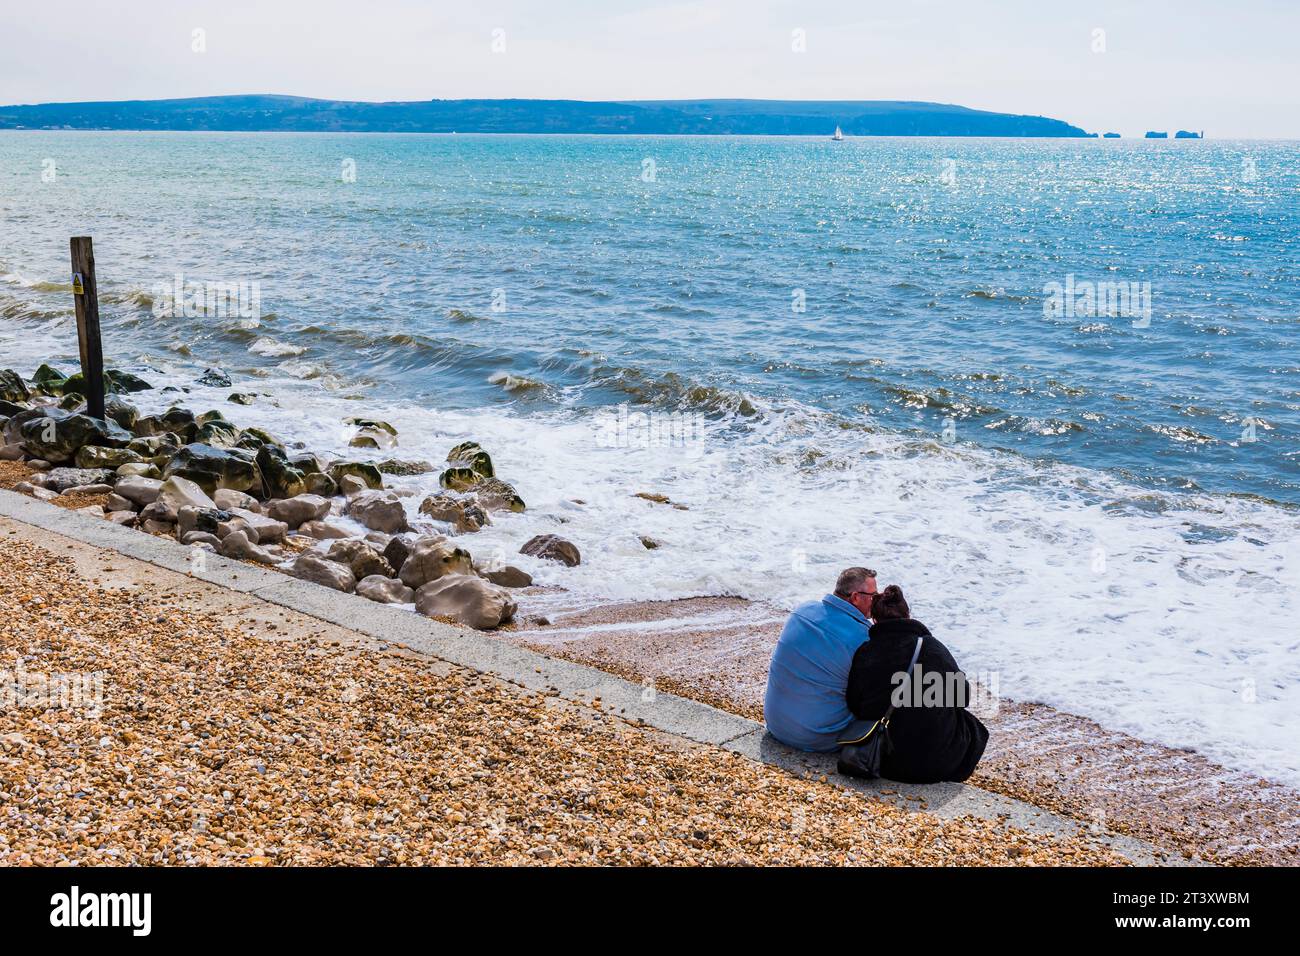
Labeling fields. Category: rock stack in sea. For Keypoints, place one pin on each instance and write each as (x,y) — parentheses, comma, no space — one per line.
(244,494)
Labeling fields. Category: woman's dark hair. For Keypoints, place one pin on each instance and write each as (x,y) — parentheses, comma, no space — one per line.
(890,605)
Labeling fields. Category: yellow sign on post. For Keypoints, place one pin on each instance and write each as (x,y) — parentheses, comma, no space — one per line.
(77,287)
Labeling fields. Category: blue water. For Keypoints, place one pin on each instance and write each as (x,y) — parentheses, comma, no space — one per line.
(924,294)
(1069,501)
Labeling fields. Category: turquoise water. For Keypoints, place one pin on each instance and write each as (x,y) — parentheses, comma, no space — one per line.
(924,293)
(1071,501)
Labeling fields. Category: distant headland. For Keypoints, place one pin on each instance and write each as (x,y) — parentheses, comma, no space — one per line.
(273,113)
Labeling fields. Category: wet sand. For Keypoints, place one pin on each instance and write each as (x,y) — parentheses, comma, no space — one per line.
(717,649)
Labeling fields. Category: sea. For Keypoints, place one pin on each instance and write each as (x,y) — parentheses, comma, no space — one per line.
(1049,387)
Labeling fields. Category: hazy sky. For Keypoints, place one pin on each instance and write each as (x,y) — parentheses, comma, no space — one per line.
(1230,68)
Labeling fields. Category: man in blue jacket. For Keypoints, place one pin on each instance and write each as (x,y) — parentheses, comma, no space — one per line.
(806,681)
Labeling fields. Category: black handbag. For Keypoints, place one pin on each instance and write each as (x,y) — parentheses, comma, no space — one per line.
(861,756)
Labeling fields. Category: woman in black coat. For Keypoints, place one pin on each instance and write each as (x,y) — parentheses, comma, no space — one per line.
(934,736)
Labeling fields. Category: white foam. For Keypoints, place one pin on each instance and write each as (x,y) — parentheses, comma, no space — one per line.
(1184,642)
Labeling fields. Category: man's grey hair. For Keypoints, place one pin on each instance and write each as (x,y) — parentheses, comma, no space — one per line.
(852,579)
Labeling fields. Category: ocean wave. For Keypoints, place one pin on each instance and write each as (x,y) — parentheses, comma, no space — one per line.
(268,346)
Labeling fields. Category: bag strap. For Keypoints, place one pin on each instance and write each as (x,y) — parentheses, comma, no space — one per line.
(916,654)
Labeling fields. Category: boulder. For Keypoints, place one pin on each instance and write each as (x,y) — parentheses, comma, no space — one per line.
(466,598)
(212,468)
(158,512)
(235,523)
(469,454)
(36,491)
(362,558)
(269,531)
(227,498)
(12,386)
(216,432)
(124,413)
(61,479)
(311,566)
(372,438)
(95,489)
(200,537)
(153,526)
(97,456)
(365,471)
(49,380)
(493,494)
(138,470)
(240,398)
(255,438)
(280,479)
(175,492)
(350,485)
(298,509)
(215,378)
(307,463)
(139,490)
(431,558)
(385,590)
(464,514)
(320,484)
(177,420)
(396,552)
(392,466)
(56,435)
(125,382)
(374,424)
(551,547)
(151,446)
(378,511)
(323,530)
(15,451)
(208,520)
(238,545)
(508,576)
(116,502)
(125,517)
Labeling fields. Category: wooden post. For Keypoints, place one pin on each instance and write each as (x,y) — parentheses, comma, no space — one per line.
(87,301)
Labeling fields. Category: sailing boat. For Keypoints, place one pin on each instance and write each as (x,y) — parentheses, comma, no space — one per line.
(839,135)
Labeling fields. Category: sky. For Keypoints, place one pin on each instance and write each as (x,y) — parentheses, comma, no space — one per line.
(1229,68)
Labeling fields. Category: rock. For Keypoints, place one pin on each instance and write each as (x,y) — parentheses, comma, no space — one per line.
(255,438)
(464,514)
(466,598)
(235,523)
(56,435)
(138,470)
(36,491)
(396,552)
(96,456)
(493,494)
(378,511)
(368,473)
(72,403)
(372,423)
(372,438)
(14,451)
(280,479)
(361,557)
(125,382)
(124,413)
(350,485)
(124,517)
(298,509)
(469,454)
(214,377)
(49,380)
(392,466)
(152,526)
(95,511)
(159,512)
(12,386)
(240,398)
(551,547)
(269,531)
(322,530)
(116,502)
(212,468)
(61,479)
(238,545)
(200,537)
(228,498)
(208,520)
(459,478)
(38,464)
(650,543)
(307,463)
(139,490)
(310,566)
(175,421)
(95,489)
(175,492)
(431,558)
(320,484)
(216,432)
(508,576)
(151,446)
(385,590)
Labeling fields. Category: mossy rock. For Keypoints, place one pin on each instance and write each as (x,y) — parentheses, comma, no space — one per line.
(49,380)
(139,470)
(72,401)
(371,423)
(211,468)
(493,494)
(392,466)
(279,478)
(459,478)
(213,415)
(240,398)
(372,438)
(125,382)
(218,432)
(469,454)
(255,438)
(12,408)
(12,386)
(320,484)
(56,435)
(177,420)
(96,456)
(308,463)
(124,413)
(151,446)
(357,469)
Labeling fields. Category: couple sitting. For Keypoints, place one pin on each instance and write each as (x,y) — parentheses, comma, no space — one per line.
(843,661)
